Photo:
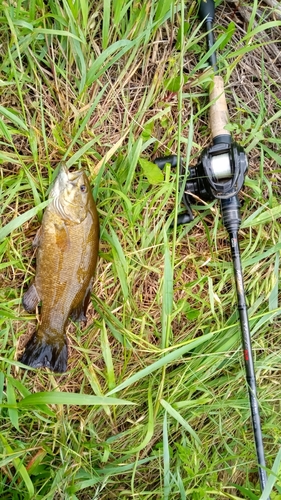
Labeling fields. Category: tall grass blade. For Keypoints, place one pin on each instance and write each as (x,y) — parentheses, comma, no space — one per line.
(19,467)
(273,297)
(106,351)
(167,294)
(273,477)
(120,262)
(106,22)
(166,458)
(176,415)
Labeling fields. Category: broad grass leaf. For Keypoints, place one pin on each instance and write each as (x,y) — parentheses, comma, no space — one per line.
(151,171)
(163,361)
(132,161)
(77,155)
(246,492)
(5,461)
(230,32)
(162,9)
(273,154)
(119,10)
(21,219)
(69,398)
(13,412)
(267,215)
(33,466)
(14,118)
(84,5)
(176,83)
(24,392)
(261,28)
(47,31)
(5,131)
(211,51)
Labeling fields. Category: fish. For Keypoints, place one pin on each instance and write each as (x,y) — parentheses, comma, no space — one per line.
(66,258)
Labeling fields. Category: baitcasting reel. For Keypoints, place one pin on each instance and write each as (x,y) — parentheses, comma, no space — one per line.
(219,174)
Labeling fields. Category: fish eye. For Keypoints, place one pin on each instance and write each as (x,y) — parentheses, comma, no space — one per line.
(83,188)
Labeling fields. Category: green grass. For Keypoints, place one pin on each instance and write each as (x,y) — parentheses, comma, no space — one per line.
(108,86)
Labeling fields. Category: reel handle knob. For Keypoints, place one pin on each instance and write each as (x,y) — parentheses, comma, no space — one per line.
(162,160)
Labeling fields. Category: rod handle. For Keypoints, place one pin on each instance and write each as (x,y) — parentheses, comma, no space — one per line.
(207,10)
(218,110)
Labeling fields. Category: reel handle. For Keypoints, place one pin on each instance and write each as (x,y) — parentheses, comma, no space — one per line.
(187,216)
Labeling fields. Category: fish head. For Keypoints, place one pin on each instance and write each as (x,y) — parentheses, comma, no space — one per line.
(71,195)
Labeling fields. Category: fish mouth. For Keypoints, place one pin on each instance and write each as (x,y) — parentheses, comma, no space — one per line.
(71,175)
(63,178)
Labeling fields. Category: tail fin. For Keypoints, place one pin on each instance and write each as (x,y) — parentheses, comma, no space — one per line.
(39,353)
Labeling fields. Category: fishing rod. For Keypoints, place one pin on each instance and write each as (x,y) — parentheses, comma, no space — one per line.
(220,174)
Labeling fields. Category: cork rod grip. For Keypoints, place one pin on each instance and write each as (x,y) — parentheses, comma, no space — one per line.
(218,109)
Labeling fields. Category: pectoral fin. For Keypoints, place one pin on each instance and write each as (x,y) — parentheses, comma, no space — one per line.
(36,241)
(31,299)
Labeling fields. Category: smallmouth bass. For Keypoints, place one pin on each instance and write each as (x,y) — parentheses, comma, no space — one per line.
(66,258)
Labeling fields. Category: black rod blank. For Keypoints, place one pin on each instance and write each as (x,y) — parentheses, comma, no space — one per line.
(231,218)
(248,356)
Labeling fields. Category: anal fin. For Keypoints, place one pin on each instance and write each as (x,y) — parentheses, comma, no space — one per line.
(79,312)
(36,241)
